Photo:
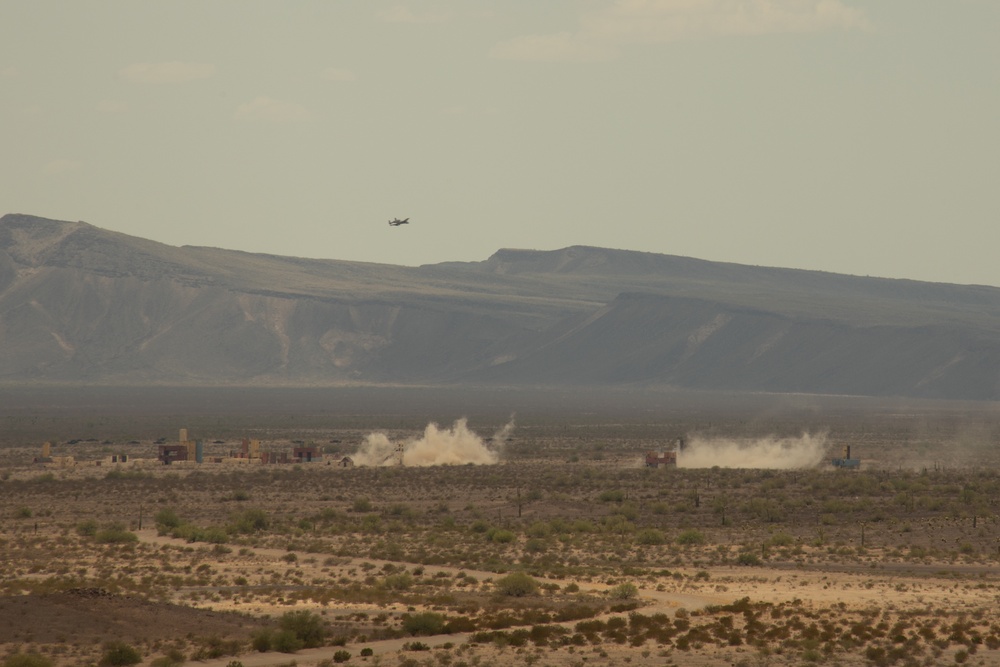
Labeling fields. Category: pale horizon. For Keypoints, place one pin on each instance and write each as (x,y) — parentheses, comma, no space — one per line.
(829,135)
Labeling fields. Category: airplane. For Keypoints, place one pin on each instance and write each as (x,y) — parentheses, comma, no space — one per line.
(396,222)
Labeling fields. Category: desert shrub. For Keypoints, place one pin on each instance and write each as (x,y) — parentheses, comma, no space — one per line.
(691,537)
(27,660)
(87,528)
(286,641)
(748,558)
(416,646)
(260,641)
(426,623)
(167,518)
(535,546)
(120,654)
(459,624)
(23,513)
(367,651)
(306,626)
(215,647)
(249,521)
(623,591)
(341,656)
(171,658)
(362,505)
(115,533)
(650,536)
(516,584)
(612,496)
(781,540)
(538,529)
(398,582)
(500,536)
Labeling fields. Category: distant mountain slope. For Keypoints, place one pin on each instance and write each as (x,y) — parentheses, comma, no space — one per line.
(862,300)
(81,304)
(710,345)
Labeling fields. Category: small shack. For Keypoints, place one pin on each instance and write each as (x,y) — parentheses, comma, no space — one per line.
(657,459)
(846,461)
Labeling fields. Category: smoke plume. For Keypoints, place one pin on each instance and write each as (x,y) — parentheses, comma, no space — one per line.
(438,446)
(805,451)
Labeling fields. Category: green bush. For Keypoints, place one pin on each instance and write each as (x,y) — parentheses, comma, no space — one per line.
(115,533)
(87,528)
(167,518)
(261,641)
(27,660)
(367,651)
(516,584)
(249,521)
(690,537)
(500,536)
(286,641)
(535,546)
(120,654)
(426,623)
(306,626)
(398,582)
(362,505)
(416,646)
(615,496)
(625,591)
(781,540)
(650,536)
(341,656)
(171,658)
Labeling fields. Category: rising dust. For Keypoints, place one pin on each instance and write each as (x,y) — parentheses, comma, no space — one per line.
(439,446)
(805,451)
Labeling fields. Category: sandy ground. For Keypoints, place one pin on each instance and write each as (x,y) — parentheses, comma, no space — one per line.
(879,588)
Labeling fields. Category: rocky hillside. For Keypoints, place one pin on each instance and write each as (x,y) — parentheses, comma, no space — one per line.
(79,304)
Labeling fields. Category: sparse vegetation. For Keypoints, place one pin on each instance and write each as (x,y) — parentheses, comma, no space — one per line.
(590,564)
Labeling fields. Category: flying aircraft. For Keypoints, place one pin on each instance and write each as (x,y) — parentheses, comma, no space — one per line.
(396,222)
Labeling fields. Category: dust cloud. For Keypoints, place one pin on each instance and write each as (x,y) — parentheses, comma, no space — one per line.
(805,451)
(439,446)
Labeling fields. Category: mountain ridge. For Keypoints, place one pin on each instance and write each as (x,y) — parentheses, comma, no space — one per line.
(79,304)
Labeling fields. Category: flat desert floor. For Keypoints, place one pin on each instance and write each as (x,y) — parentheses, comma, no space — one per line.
(494,527)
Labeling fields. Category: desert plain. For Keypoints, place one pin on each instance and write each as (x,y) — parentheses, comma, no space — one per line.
(527,531)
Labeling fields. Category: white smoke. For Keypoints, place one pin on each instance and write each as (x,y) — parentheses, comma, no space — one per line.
(455,446)
(805,451)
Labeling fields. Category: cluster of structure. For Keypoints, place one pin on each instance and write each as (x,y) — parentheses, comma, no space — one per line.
(54,461)
(249,452)
(666,458)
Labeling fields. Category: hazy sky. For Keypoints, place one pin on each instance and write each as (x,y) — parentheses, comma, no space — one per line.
(841,135)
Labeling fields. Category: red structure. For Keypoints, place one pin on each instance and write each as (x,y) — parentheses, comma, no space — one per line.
(306,454)
(655,460)
(170,453)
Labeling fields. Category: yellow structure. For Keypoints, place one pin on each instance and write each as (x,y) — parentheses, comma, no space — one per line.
(46,450)
(183,440)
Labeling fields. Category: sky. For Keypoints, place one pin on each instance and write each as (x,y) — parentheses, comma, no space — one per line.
(851,136)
